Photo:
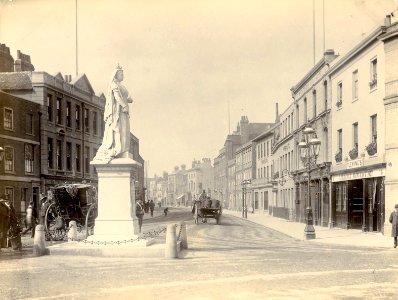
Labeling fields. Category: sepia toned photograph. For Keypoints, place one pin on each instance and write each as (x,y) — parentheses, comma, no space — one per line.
(208,149)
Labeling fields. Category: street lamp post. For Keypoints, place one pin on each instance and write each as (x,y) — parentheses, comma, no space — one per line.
(309,151)
(244,203)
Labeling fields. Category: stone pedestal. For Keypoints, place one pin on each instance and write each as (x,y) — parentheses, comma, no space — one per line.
(116,219)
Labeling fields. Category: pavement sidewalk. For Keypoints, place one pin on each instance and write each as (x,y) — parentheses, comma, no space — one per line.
(324,235)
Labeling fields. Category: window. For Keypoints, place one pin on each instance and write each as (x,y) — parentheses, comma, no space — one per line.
(339,94)
(9,191)
(373,120)
(355,135)
(95,129)
(59,111)
(29,123)
(8,119)
(68,114)
(87,159)
(77,117)
(373,74)
(305,111)
(314,104)
(298,116)
(78,158)
(29,159)
(50,153)
(325,94)
(340,140)
(68,156)
(24,198)
(86,120)
(50,107)
(8,159)
(355,85)
(59,155)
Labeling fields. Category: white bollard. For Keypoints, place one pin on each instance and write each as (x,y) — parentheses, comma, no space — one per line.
(183,235)
(171,242)
(39,244)
(72,233)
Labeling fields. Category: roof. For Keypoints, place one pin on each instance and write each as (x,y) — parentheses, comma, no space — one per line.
(15,81)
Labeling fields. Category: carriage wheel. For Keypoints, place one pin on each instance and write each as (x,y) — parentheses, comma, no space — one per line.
(55,224)
(90,220)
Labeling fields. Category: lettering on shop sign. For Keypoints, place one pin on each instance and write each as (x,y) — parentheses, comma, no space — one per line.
(355,163)
(359,175)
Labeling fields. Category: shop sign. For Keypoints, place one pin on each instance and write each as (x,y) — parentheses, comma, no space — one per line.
(359,175)
(355,163)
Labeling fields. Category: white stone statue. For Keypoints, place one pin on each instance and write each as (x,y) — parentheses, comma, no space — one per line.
(116,140)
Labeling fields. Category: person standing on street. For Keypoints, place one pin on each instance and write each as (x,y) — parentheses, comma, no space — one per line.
(31,217)
(394,221)
(151,207)
(139,212)
(44,204)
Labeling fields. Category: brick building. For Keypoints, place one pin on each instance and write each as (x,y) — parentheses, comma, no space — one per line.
(20,139)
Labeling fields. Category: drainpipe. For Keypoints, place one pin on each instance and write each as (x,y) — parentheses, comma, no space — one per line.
(83,138)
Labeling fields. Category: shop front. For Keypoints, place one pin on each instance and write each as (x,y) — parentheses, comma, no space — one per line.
(358,198)
(319,194)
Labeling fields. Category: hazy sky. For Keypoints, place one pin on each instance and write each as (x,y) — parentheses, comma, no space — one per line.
(185,60)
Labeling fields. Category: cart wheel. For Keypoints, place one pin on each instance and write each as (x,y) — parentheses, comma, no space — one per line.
(90,219)
(55,225)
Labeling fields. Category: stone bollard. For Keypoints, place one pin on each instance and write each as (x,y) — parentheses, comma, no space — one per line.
(182,228)
(171,242)
(72,233)
(39,244)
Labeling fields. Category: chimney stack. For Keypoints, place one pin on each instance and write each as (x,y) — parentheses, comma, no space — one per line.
(387,21)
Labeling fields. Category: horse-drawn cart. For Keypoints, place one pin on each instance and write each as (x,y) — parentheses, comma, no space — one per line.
(71,202)
(207,209)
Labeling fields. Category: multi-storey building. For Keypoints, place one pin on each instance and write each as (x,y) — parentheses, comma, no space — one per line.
(310,108)
(245,132)
(262,181)
(390,43)
(232,185)
(200,177)
(70,125)
(362,82)
(244,166)
(20,141)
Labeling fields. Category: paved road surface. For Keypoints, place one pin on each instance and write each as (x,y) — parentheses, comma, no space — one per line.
(235,260)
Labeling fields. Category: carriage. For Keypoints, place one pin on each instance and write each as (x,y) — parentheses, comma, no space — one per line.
(71,202)
(207,208)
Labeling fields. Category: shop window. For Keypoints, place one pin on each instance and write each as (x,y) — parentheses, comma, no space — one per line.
(9,192)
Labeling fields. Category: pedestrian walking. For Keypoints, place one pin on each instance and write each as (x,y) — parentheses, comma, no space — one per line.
(394,222)
(166,210)
(151,207)
(139,212)
(31,218)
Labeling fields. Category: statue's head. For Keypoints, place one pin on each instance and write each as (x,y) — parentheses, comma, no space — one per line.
(119,73)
